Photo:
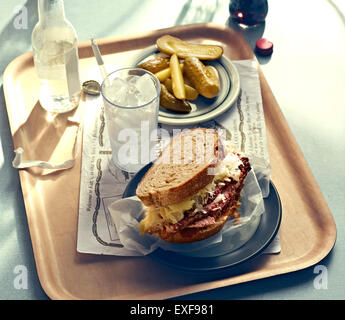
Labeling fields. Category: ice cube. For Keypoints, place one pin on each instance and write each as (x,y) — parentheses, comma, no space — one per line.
(132,99)
(147,89)
(132,94)
(132,79)
(117,92)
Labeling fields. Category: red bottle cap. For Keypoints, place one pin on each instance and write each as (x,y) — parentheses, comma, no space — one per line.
(264,47)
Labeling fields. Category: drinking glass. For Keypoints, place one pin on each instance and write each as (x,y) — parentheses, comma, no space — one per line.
(131,102)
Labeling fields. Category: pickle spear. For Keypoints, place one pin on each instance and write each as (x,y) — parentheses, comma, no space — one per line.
(155,64)
(191,93)
(203,79)
(213,76)
(170,45)
(177,78)
(170,102)
(164,74)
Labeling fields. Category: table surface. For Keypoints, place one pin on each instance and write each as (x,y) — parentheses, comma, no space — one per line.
(305,72)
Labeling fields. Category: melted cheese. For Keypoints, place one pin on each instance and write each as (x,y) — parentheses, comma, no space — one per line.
(172,214)
(152,218)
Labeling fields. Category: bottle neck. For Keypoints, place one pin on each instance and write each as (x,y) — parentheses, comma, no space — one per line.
(51,11)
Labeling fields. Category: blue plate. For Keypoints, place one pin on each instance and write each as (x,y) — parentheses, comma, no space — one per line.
(265,233)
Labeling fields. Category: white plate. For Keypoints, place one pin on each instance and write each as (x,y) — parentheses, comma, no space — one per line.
(203,109)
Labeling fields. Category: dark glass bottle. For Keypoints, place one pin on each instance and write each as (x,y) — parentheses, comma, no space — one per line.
(248,12)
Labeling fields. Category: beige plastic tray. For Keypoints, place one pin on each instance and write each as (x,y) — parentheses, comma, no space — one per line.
(307,230)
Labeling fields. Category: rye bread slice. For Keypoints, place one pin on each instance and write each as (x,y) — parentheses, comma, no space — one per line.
(184,168)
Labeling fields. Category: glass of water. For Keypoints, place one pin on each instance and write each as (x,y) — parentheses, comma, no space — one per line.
(131,102)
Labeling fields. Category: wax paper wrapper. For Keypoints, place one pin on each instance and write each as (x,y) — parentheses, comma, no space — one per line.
(128,212)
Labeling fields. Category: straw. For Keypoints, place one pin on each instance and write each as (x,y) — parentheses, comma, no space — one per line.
(99,60)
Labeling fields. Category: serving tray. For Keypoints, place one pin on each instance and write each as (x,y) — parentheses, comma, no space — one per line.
(307,231)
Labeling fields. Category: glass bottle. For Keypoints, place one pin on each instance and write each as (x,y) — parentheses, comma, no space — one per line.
(55,49)
(248,12)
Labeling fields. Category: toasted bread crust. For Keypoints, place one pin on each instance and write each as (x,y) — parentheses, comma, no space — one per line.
(160,187)
(203,233)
